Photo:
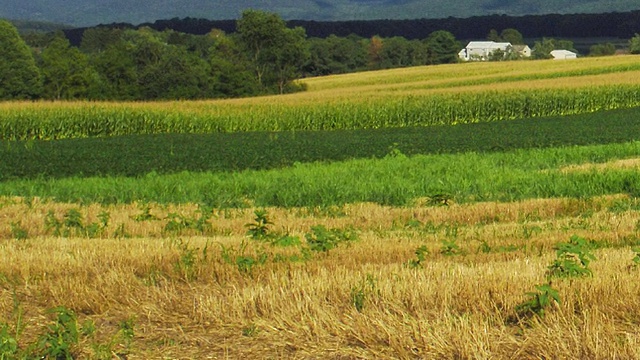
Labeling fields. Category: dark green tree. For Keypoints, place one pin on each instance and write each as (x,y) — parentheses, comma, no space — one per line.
(116,67)
(512,36)
(66,71)
(602,49)
(634,44)
(177,75)
(231,72)
(19,75)
(272,47)
(335,55)
(442,47)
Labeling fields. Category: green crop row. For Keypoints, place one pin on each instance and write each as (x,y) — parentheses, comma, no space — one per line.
(393,180)
(136,155)
(47,121)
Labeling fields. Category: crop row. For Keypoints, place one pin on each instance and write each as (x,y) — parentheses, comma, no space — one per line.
(47,121)
(137,155)
(395,180)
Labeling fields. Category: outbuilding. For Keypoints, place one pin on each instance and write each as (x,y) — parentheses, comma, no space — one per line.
(563,55)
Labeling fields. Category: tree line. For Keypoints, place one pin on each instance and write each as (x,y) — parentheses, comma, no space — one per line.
(263,56)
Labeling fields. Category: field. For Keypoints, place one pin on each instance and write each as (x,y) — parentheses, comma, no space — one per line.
(472,211)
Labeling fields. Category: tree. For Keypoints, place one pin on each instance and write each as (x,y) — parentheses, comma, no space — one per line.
(19,75)
(66,71)
(602,49)
(116,68)
(634,44)
(512,36)
(442,47)
(272,47)
(542,49)
(177,75)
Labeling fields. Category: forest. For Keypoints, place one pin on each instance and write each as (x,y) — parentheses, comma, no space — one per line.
(259,54)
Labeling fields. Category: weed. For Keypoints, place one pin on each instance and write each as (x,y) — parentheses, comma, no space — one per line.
(8,343)
(186,265)
(244,263)
(286,241)
(259,229)
(18,232)
(362,290)
(421,255)
(484,247)
(145,215)
(441,199)
(572,259)
(538,301)
(121,232)
(636,258)
(250,330)
(450,248)
(62,336)
(322,239)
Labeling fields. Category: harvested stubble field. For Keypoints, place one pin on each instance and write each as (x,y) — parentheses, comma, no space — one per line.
(216,292)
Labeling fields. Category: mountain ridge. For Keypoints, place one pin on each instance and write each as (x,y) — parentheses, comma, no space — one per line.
(94,12)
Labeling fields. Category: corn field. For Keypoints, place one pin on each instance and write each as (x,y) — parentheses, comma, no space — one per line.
(423,96)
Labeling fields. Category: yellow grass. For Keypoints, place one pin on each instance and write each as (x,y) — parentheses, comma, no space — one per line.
(451,307)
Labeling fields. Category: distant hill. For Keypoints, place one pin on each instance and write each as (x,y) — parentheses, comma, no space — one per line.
(93,12)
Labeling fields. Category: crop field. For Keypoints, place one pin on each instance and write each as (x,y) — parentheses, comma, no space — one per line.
(471,211)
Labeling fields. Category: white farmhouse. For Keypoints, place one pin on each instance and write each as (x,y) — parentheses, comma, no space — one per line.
(563,54)
(481,50)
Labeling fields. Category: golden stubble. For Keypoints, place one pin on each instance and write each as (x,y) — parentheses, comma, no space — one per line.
(449,307)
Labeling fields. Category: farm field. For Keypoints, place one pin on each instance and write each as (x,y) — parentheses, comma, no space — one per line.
(475,211)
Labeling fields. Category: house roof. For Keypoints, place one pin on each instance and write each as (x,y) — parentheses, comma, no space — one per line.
(487,45)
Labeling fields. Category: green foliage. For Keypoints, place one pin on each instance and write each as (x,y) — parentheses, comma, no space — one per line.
(18,232)
(602,49)
(8,343)
(259,229)
(321,239)
(572,259)
(188,260)
(636,258)
(241,259)
(62,336)
(442,47)
(72,224)
(66,71)
(538,301)
(634,44)
(362,291)
(421,256)
(451,248)
(19,75)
